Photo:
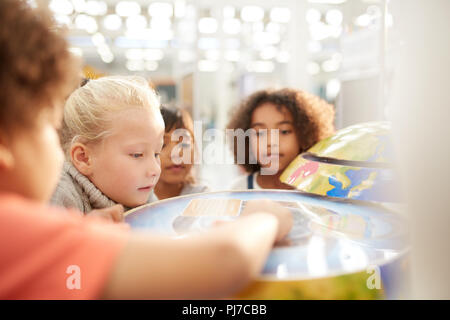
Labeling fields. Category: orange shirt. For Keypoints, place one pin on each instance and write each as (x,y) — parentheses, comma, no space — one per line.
(48,254)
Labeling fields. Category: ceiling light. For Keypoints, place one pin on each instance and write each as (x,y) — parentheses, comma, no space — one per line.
(212,55)
(186,56)
(134,54)
(268,53)
(282,15)
(229,12)
(112,22)
(232,55)
(334,17)
(96,8)
(151,65)
(313,68)
(160,9)
(252,13)
(232,26)
(207,66)
(313,16)
(153,54)
(328,1)
(135,65)
(88,23)
(138,22)
(207,25)
(61,7)
(260,66)
(128,8)
(283,57)
(180,8)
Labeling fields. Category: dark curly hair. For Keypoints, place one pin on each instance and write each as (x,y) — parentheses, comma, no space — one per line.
(179,119)
(313,118)
(37,69)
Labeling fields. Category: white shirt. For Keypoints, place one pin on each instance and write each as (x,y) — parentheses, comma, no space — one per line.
(241,183)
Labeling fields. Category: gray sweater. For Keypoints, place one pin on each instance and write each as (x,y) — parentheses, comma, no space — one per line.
(75,190)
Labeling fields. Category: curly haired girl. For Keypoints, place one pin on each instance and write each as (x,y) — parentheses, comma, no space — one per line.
(283,123)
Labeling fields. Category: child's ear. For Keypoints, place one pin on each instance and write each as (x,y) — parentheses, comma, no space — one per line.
(81,159)
(6,157)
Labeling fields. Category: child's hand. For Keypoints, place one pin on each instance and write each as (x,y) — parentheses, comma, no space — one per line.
(114,213)
(284,215)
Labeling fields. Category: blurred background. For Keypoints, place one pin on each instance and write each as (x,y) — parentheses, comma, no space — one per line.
(205,56)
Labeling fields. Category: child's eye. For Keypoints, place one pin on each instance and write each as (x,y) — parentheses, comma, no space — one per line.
(157,155)
(137,155)
(286,131)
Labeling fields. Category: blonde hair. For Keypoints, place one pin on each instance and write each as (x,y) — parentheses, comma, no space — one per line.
(88,110)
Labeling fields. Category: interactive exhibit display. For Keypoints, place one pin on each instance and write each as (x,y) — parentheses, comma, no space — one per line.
(345,243)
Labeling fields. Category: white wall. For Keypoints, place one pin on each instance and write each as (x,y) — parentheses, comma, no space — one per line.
(421,105)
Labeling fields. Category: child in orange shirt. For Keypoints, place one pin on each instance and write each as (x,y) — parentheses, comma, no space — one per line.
(54,256)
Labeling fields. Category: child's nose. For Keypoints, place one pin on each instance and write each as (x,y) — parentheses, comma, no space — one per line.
(154,168)
(273,139)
